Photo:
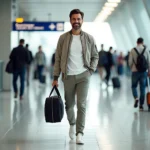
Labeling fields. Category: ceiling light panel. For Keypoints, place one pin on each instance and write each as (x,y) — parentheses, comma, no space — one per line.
(108,8)
(111,4)
(114,1)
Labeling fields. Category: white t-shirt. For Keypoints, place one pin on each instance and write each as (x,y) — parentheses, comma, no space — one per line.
(75,60)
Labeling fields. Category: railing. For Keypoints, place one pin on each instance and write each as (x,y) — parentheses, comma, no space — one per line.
(1,75)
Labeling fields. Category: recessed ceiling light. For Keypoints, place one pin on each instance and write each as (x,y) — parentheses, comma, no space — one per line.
(114,1)
(111,4)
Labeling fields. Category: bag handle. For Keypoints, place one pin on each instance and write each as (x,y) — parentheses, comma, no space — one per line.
(56,89)
(148,84)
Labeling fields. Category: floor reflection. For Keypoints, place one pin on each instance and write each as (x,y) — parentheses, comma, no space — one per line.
(111,121)
(74,146)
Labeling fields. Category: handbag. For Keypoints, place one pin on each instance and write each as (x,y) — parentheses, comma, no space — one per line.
(10,67)
(54,107)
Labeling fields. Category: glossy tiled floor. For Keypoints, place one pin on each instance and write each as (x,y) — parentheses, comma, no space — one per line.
(111,124)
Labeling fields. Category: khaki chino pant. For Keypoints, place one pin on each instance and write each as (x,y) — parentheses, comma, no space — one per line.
(76,85)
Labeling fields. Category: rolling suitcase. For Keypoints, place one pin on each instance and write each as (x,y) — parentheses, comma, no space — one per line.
(116,82)
(35,75)
(54,108)
(43,79)
(148,94)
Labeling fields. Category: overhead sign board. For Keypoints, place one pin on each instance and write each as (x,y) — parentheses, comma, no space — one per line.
(38,26)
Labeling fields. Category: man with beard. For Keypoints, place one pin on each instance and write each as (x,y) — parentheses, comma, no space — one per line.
(76,57)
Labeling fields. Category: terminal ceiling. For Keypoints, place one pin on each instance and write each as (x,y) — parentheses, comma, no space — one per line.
(58,10)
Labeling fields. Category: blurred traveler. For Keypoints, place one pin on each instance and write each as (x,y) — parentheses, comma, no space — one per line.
(29,65)
(120,64)
(139,61)
(115,60)
(40,61)
(109,65)
(76,57)
(102,62)
(20,58)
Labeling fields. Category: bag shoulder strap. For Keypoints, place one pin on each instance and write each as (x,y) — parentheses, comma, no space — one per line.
(56,89)
(143,50)
(136,51)
(137,54)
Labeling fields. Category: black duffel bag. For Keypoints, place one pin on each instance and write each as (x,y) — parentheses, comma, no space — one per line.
(54,108)
(10,67)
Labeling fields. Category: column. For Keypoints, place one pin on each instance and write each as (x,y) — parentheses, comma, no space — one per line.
(5,39)
(129,24)
(141,18)
(147,6)
(115,34)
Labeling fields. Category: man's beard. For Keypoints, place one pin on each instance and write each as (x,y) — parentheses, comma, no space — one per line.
(76,26)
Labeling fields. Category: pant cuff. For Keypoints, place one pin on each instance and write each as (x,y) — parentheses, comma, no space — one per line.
(79,132)
(72,124)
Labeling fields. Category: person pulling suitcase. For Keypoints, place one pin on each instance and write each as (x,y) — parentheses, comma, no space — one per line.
(139,62)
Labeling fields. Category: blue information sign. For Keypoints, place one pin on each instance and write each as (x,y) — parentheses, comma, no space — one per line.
(38,26)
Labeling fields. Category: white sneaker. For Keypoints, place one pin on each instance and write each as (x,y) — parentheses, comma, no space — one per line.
(79,139)
(72,132)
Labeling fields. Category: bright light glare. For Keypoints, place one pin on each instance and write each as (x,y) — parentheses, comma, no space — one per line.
(114,1)
(101,17)
(111,4)
(107,12)
(108,8)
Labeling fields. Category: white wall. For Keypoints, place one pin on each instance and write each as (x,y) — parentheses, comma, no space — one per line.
(5,32)
(129,22)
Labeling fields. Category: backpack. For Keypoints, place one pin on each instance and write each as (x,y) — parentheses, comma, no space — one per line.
(142,64)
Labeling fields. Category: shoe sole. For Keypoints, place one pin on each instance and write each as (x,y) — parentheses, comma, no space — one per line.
(79,143)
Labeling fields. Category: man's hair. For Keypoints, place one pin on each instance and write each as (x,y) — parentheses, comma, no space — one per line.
(76,11)
(111,47)
(140,40)
(21,41)
(102,45)
(27,45)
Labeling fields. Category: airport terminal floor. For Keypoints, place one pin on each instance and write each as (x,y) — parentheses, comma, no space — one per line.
(111,122)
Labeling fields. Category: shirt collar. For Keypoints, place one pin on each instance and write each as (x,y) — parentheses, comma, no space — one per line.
(140,46)
(80,33)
